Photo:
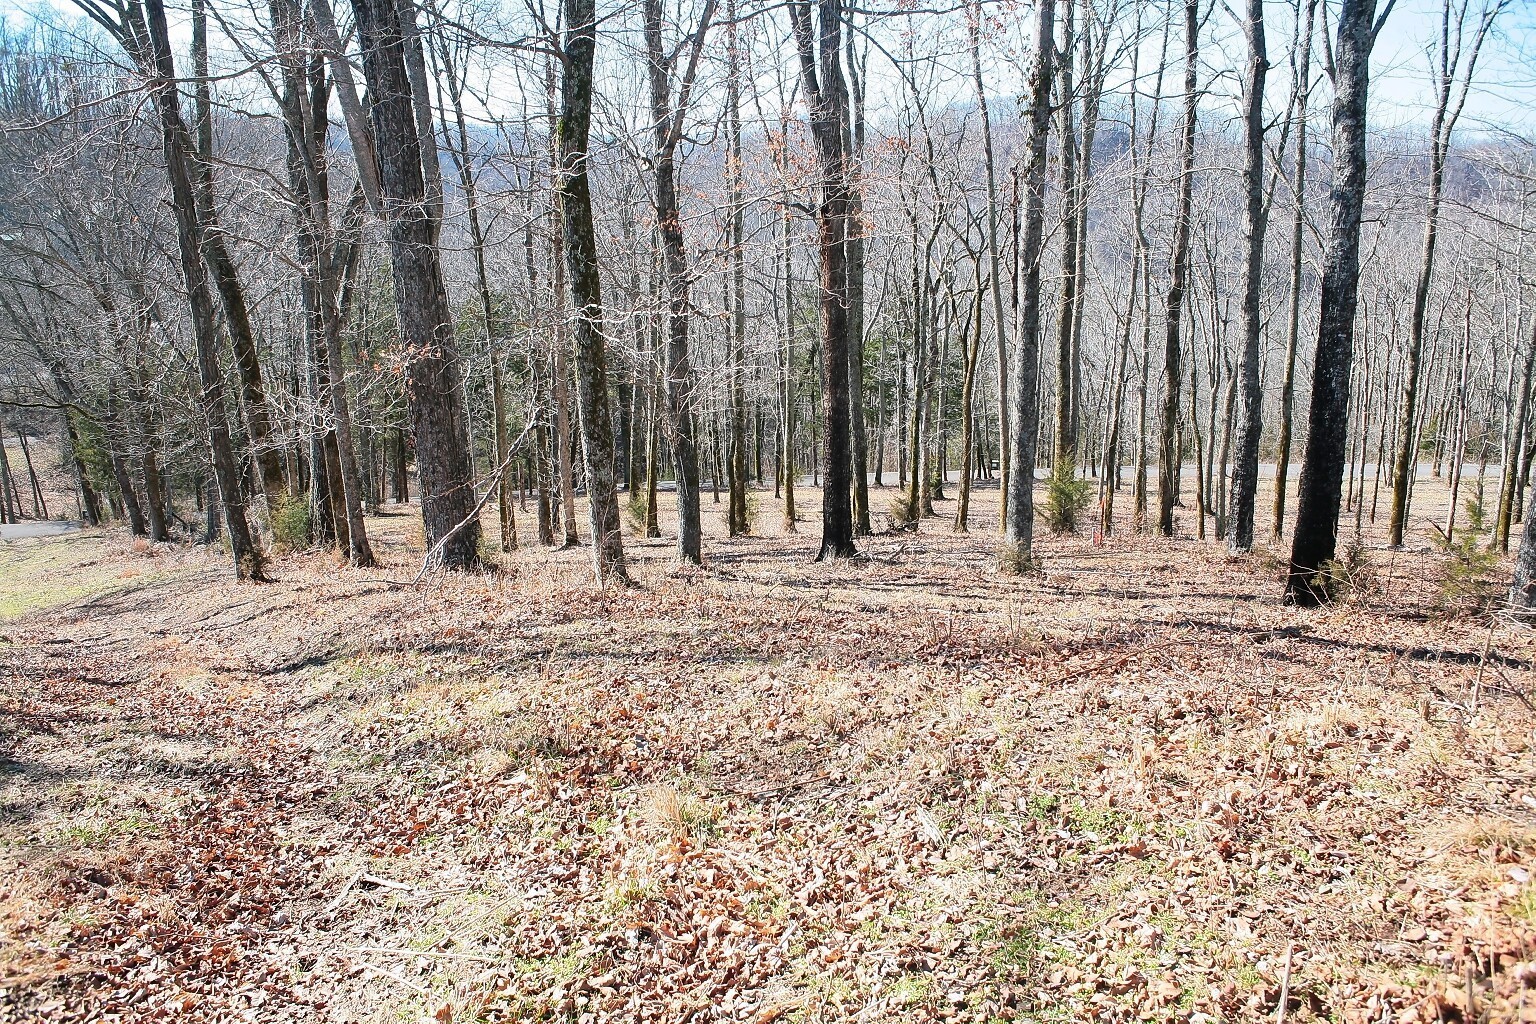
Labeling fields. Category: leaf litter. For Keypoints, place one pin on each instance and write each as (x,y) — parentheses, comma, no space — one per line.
(1131,788)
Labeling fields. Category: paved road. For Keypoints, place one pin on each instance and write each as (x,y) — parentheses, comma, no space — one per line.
(45,528)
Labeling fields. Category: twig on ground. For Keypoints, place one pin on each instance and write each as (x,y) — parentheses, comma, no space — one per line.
(440,953)
(392,976)
(1285,987)
(341,895)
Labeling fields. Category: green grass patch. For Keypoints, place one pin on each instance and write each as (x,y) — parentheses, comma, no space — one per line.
(46,572)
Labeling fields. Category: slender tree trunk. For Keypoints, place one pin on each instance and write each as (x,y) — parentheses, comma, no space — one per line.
(1447,112)
(225,277)
(151,40)
(468,183)
(667,130)
(565,472)
(1315,540)
(918,404)
(736,520)
(1509,483)
(994,251)
(857,231)
(1169,454)
(973,332)
(327,264)
(39,506)
(586,291)
(90,501)
(1065,450)
(1250,424)
(1194,426)
(826,90)
(1457,445)
(787,470)
(1301,84)
(1018,530)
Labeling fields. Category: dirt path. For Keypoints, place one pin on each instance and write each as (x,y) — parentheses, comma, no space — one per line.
(901,788)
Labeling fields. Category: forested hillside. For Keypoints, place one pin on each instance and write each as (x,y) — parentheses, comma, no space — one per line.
(691,510)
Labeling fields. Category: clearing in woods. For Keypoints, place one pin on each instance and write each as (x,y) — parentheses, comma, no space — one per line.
(900,788)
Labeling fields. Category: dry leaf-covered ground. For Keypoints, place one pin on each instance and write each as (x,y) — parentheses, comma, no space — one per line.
(901,788)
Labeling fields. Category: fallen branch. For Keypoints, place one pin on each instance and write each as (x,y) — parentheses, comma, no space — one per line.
(441,953)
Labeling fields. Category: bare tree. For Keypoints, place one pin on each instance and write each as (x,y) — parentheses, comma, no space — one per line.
(826,90)
(1018,529)
(434,389)
(1169,454)
(581,262)
(1322,470)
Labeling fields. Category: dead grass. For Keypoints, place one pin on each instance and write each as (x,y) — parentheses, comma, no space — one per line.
(902,787)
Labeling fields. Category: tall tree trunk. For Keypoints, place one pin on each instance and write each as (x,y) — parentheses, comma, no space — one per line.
(1018,529)
(1301,86)
(736,520)
(226,278)
(324,260)
(854,244)
(434,391)
(1194,426)
(826,91)
(1250,424)
(39,506)
(1447,112)
(667,129)
(1315,540)
(918,405)
(90,501)
(469,184)
(787,470)
(1110,482)
(1456,447)
(972,350)
(1063,455)
(994,251)
(581,256)
(147,34)
(1169,453)
(564,471)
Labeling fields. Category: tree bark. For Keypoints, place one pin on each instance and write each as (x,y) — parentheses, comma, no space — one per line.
(857,231)
(1322,472)
(226,277)
(144,32)
(826,91)
(1301,84)
(1018,528)
(434,391)
(1065,448)
(973,333)
(736,521)
(580,236)
(994,251)
(667,130)
(1250,422)
(1169,449)
(468,182)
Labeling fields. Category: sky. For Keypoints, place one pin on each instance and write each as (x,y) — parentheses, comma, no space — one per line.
(1503,97)
(1504,92)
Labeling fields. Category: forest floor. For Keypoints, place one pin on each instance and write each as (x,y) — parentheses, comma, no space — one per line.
(1133,786)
